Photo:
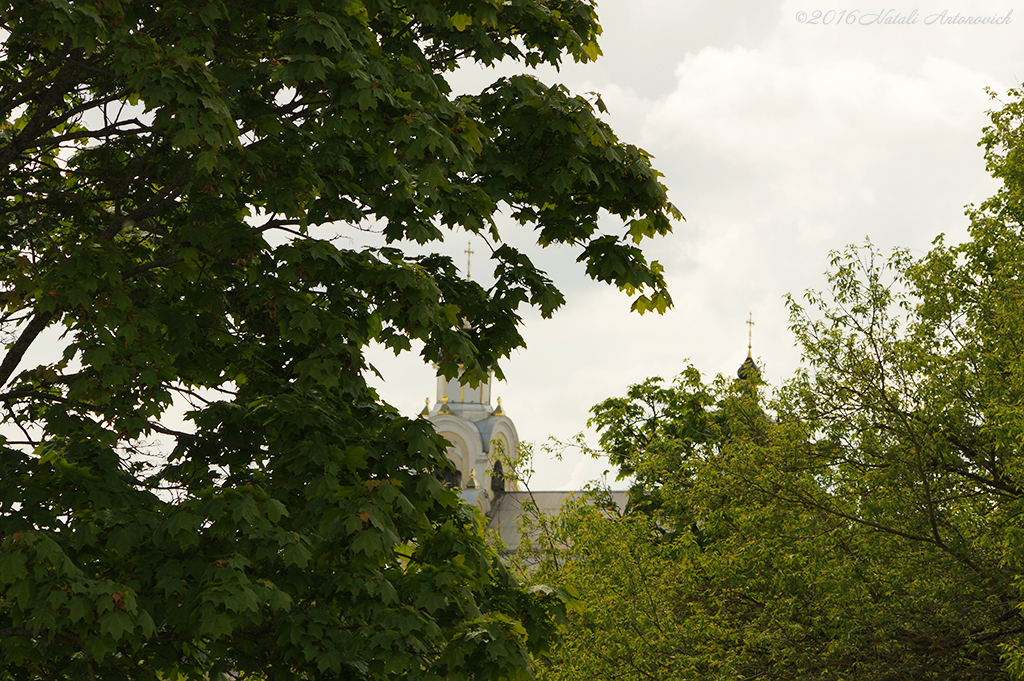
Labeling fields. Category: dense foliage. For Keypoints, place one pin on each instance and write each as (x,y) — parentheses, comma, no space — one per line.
(175,179)
(865,522)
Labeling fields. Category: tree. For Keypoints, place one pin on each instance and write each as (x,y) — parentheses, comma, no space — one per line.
(174,179)
(864,522)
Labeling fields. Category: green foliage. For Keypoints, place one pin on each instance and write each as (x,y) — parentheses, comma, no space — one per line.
(174,176)
(864,523)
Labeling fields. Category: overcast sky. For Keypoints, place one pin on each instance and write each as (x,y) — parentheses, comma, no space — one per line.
(780,140)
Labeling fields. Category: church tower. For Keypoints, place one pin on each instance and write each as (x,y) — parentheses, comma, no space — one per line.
(476,431)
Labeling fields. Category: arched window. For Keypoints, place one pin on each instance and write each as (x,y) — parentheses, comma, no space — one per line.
(497,478)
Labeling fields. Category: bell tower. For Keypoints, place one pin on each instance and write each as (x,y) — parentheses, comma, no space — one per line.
(476,429)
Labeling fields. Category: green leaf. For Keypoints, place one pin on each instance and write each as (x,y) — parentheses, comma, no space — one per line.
(460,21)
(116,623)
(296,554)
(12,566)
(80,609)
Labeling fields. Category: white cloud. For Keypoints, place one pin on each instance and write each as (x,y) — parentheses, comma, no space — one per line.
(779,141)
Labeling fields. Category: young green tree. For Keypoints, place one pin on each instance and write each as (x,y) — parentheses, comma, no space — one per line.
(864,523)
(174,176)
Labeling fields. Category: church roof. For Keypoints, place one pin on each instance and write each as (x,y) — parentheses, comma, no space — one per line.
(748,369)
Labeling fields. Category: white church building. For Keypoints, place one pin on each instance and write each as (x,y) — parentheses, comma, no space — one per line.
(477,430)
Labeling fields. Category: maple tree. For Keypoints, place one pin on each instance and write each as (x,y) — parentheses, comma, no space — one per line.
(173,176)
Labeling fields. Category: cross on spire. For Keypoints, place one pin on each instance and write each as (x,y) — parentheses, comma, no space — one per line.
(750,333)
(469,259)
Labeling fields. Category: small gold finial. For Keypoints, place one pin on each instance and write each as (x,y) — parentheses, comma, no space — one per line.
(445,409)
(469,259)
(499,411)
(472,479)
(426,407)
(750,333)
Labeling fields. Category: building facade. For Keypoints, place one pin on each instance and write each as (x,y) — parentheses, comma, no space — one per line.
(477,431)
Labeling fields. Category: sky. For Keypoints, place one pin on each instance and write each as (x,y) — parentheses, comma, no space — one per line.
(784,132)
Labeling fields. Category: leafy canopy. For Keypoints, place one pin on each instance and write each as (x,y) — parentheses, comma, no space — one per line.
(173,179)
(863,523)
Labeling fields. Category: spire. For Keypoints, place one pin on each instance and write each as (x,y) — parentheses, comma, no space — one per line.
(749,369)
(469,277)
(750,333)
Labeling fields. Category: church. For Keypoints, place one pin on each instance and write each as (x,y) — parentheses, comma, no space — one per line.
(477,429)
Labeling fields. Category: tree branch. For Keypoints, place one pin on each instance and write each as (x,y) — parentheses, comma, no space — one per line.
(21,346)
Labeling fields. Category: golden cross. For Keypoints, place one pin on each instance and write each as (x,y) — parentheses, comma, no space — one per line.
(469,257)
(750,333)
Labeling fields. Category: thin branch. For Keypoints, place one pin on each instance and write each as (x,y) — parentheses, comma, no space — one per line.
(21,346)
(107,131)
(61,84)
